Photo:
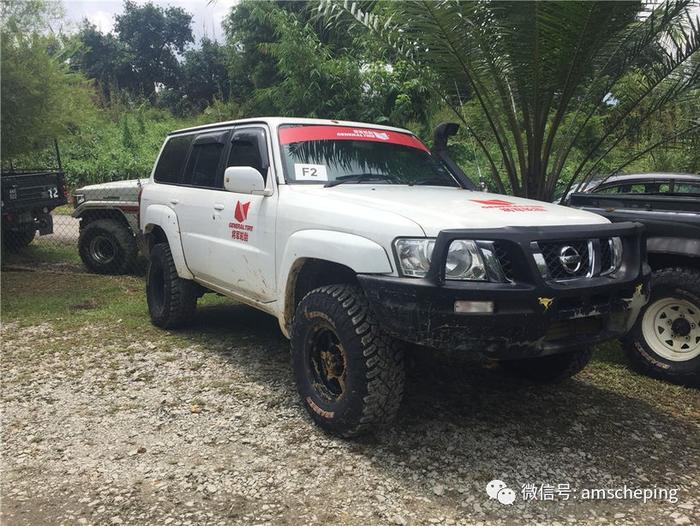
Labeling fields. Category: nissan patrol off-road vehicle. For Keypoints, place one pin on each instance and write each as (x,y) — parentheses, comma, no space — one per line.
(110,238)
(358,239)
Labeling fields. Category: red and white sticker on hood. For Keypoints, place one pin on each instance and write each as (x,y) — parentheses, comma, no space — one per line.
(292,134)
(507,206)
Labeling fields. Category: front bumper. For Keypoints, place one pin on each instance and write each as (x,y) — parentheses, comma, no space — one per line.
(532,315)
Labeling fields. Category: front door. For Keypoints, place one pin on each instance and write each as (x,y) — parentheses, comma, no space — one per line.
(246,223)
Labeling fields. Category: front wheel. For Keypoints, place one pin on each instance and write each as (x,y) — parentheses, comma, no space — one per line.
(550,369)
(107,247)
(349,374)
(171,299)
(665,340)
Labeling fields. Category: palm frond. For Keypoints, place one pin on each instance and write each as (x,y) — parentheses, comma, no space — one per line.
(540,71)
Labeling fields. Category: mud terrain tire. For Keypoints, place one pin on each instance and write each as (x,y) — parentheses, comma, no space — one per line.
(171,300)
(14,240)
(349,374)
(107,247)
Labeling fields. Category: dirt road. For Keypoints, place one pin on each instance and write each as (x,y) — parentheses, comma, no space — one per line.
(107,420)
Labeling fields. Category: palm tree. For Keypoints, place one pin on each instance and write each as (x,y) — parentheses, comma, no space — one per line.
(542,72)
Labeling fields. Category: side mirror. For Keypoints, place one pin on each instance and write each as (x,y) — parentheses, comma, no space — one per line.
(244,180)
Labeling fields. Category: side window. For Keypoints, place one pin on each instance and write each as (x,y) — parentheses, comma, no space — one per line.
(632,189)
(249,148)
(687,188)
(656,187)
(172,160)
(608,190)
(203,165)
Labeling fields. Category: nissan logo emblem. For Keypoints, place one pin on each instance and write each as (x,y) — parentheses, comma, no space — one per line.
(570,259)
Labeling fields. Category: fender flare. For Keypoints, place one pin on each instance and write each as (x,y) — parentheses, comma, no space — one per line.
(361,255)
(127,210)
(166,218)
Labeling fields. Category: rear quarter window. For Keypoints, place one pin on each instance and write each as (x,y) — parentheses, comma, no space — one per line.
(687,188)
(172,160)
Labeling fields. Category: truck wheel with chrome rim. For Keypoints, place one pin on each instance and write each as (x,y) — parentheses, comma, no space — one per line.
(107,247)
(349,374)
(665,340)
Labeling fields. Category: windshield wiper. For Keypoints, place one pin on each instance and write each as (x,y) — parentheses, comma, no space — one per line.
(358,178)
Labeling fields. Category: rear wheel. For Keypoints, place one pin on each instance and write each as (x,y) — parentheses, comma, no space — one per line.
(17,239)
(550,369)
(665,340)
(171,300)
(107,247)
(349,374)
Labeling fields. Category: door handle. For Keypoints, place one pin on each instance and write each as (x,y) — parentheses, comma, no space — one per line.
(218,207)
(174,201)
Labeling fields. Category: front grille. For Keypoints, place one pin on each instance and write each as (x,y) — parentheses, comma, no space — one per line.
(505,259)
(567,259)
(574,259)
(606,256)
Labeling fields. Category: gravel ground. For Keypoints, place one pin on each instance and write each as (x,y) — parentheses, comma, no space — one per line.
(108,423)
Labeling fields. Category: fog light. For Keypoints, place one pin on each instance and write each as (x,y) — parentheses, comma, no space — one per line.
(473,307)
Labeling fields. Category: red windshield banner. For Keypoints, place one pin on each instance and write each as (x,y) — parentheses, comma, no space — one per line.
(347,133)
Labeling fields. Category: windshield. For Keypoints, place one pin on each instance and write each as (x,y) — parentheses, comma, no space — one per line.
(332,155)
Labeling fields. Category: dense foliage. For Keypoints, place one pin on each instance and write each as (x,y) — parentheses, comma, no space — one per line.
(545,91)
(543,74)
(40,97)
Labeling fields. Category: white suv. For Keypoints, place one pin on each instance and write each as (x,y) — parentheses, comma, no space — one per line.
(358,239)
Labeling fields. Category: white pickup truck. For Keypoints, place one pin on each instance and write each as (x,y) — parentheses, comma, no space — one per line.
(358,239)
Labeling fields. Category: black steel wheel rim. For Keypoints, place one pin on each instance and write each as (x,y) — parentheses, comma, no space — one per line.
(327,361)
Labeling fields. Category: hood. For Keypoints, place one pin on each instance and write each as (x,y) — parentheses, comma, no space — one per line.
(113,185)
(436,208)
(113,191)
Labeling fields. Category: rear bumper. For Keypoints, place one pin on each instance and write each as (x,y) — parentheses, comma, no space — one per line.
(28,220)
(531,316)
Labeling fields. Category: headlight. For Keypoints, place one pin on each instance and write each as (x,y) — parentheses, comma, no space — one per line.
(464,260)
(414,256)
(78,199)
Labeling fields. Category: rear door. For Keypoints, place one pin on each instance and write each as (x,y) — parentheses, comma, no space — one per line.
(196,201)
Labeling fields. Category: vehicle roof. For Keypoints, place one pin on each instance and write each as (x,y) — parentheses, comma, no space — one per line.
(277,121)
(651,176)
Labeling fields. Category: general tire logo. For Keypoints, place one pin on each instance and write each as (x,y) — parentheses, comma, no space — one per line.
(383,136)
(314,407)
(241,212)
(239,230)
